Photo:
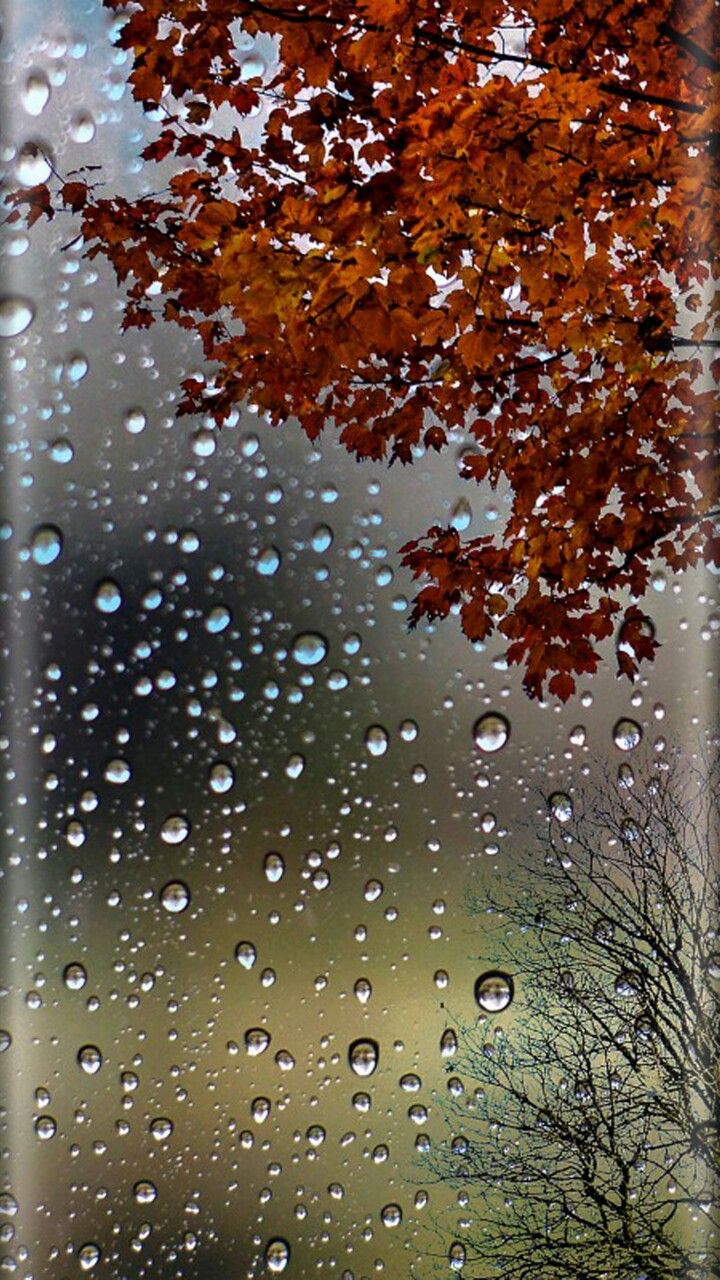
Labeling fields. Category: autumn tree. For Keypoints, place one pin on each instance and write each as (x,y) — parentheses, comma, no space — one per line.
(585,1122)
(422,220)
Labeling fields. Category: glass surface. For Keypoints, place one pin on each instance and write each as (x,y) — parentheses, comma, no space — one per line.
(244,805)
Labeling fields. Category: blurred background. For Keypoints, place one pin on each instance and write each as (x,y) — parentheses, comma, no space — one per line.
(243,805)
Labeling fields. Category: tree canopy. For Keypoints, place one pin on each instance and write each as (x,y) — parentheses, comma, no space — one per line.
(422,221)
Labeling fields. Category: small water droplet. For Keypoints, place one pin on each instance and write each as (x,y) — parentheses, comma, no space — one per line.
(376,740)
(246,954)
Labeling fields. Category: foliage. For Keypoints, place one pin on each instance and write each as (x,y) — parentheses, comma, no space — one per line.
(588,1149)
(427,219)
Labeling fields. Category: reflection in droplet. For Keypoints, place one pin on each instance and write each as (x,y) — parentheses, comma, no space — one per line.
(494,991)
(363,1056)
(175,896)
(16,315)
(627,734)
(491,732)
(309,648)
(47,544)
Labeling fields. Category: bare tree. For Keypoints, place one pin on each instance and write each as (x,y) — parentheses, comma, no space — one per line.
(585,1121)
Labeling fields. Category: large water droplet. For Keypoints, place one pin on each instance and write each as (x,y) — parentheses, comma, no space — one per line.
(32,165)
(257,1040)
(627,734)
(274,865)
(391,1215)
(363,1056)
(494,991)
(47,544)
(175,896)
(108,596)
(135,421)
(456,1256)
(90,1059)
(309,648)
(268,562)
(222,777)
(246,954)
(175,829)
(74,976)
(376,740)
(145,1191)
(88,1256)
(36,93)
(461,515)
(16,315)
(560,806)
(277,1255)
(491,732)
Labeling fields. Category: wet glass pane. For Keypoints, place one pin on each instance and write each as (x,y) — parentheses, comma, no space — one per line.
(257,832)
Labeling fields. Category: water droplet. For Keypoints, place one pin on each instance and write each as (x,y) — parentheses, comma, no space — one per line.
(391,1215)
(90,1059)
(491,732)
(175,829)
(74,976)
(456,1256)
(494,991)
(260,1110)
(36,93)
(363,1057)
(322,538)
(448,1043)
(45,1127)
(47,544)
(222,778)
(88,1256)
(309,648)
(108,597)
(627,734)
(117,771)
(32,166)
(560,806)
(277,1255)
(246,954)
(257,1040)
(175,896)
(82,127)
(16,315)
(274,865)
(218,619)
(363,990)
(203,443)
(376,740)
(461,515)
(161,1128)
(145,1191)
(135,421)
(268,562)
(62,451)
